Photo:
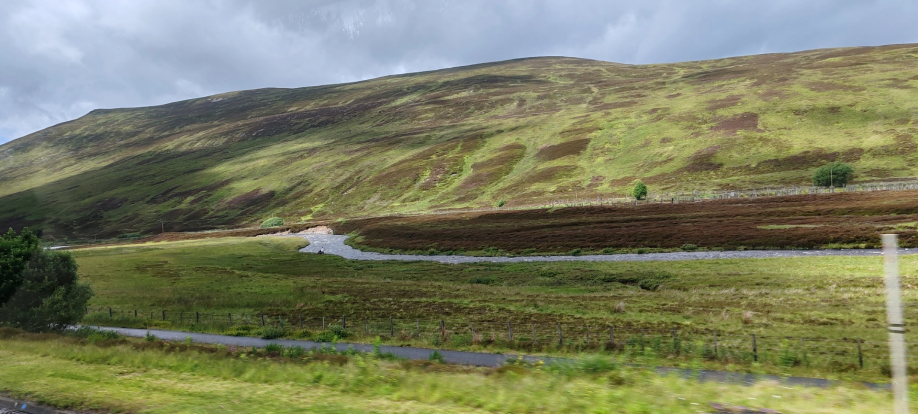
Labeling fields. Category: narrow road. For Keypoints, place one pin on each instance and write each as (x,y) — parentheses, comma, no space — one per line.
(334,244)
(480,359)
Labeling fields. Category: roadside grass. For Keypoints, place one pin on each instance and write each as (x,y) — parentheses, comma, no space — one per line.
(830,301)
(163,377)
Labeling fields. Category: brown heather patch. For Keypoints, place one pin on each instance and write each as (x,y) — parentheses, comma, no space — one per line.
(828,87)
(564,149)
(250,198)
(615,105)
(702,160)
(621,182)
(832,218)
(746,121)
(726,102)
(675,95)
(666,140)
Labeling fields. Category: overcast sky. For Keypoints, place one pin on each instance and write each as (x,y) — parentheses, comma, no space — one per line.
(60,59)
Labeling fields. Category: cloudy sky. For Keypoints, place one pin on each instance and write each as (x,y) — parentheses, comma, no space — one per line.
(60,59)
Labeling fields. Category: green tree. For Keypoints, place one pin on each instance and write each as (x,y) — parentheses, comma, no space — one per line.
(49,296)
(15,252)
(833,174)
(640,191)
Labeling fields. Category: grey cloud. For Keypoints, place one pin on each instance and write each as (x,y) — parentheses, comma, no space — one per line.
(62,59)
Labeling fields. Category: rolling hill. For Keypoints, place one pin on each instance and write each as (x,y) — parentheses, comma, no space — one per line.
(523,131)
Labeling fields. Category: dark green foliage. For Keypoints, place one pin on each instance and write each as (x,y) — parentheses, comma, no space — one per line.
(93,334)
(484,280)
(274,348)
(272,222)
(646,280)
(15,252)
(834,174)
(501,203)
(639,191)
(49,296)
(339,331)
(271,332)
(436,356)
(689,247)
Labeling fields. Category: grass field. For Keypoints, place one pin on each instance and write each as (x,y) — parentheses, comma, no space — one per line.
(118,375)
(520,131)
(829,301)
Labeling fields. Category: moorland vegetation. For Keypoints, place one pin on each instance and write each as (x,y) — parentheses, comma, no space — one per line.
(524,131)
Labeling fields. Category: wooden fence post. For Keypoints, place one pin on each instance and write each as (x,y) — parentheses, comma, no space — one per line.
(755,350)
(676,347)
(135,313)
(164,315)
(509,332)
(560,335)
(109,312)
(417,326)
(197,317)
(262,320)
(860,355)
(715,345)
(535,339)
(230,317)
(391,328)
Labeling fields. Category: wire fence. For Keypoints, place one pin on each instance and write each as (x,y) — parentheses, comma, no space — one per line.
(680,197)
(835,354)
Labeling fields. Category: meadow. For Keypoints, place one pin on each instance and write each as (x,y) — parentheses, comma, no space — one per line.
(151,376)
(829,303)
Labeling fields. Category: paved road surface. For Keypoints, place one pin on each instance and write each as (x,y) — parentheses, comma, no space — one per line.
(460,357)
(334,244)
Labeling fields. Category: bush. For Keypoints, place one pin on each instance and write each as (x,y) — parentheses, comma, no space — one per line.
(639,191)
(834,174)
(689,247)
(501,203)
(270,332)
(483,280)
(272,222)
(48,295)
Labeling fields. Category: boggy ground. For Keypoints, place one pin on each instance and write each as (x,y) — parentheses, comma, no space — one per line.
(852,219)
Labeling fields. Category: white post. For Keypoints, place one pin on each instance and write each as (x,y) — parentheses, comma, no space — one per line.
(896,324)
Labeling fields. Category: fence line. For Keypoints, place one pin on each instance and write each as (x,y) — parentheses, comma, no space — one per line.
(843,353)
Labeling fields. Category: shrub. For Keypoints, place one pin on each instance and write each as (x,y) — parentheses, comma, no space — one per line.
(834,174)
(501,203)
(272,222)
(483,280)
(689,247)
(576,252)
(639,191)
(150,337)
(270,332)
(436,357)
(48,296)
(274,348)
(339,331)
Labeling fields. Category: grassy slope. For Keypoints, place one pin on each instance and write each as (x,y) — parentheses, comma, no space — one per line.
(830,298)
(522,130)
(156,378)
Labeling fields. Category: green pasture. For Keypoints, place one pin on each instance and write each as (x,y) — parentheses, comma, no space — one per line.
(118,375)
(829,301)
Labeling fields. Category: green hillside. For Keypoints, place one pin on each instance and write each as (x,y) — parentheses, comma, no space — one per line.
(523,131)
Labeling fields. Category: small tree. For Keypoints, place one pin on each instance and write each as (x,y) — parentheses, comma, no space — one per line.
(15,252)
(41,291)
(833,174)
(640,191)
(272,222)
